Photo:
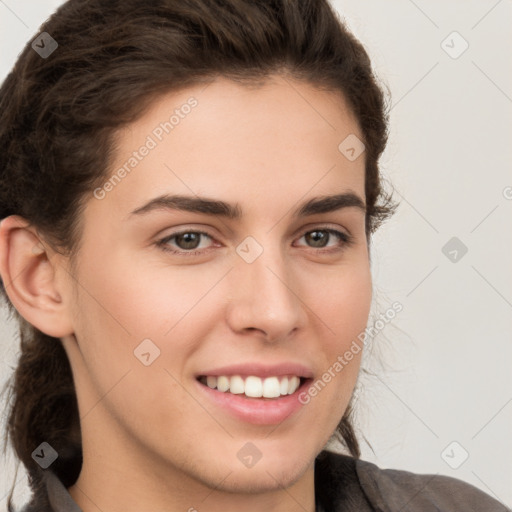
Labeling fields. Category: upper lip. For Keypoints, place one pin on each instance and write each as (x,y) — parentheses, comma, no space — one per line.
(261,370)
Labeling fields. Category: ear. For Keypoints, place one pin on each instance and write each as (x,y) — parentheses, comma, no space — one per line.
(33,282)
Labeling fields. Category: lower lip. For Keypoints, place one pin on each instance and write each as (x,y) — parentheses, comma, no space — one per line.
(258,411)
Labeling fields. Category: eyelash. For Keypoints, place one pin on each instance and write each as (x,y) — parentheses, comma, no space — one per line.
(346,241)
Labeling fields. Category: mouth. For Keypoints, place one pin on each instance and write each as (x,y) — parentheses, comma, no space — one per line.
(253,399)
(268,388)
(256,392)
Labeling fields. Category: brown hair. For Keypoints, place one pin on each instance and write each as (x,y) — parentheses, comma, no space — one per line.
(59,115)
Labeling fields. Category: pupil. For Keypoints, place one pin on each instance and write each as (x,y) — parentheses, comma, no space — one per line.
(190,240)
(318,236)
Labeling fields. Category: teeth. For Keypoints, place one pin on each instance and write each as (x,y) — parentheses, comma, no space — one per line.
(255,387)
(283,388)
(271,387)
(222,383)
(293,384)
(236,385)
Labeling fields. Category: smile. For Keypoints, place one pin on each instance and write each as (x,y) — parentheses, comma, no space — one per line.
(252,386)
(256,400)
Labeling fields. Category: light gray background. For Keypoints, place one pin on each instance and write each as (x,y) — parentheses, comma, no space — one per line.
(444,372)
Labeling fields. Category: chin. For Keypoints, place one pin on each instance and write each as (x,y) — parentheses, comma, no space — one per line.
(263,479)
(270,473)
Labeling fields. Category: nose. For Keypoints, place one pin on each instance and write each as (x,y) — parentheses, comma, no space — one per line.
(265,297)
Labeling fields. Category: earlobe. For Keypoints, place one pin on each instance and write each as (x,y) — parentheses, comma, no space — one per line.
(29,275)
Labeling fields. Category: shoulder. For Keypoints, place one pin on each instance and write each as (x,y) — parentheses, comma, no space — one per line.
(390,490)
(32,506)
(35,506)
(50,496)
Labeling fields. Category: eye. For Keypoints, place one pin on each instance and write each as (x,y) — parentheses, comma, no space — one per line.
(187,241)
(320,237)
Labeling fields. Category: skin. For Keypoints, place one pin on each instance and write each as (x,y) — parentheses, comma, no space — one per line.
(150,440)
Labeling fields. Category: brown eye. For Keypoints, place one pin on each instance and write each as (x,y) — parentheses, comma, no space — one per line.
(320,238)
(184,242)
(317,238)
(188,240)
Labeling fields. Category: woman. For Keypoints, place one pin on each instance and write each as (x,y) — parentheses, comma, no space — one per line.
(191,335)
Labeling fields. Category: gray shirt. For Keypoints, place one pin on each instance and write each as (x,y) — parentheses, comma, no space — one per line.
(345,484)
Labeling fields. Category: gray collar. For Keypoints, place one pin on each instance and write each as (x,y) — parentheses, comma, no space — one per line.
(58,496)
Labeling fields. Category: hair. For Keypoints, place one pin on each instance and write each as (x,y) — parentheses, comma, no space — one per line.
(58,120)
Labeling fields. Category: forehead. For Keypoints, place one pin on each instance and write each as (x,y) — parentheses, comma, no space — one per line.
(246,144)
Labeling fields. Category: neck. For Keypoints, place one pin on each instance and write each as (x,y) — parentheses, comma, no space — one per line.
(119,476)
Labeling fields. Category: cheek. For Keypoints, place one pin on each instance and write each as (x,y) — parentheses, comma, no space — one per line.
(140,301)
(341,298)
(343,305)
(117,312)
(342,301)
(126,303)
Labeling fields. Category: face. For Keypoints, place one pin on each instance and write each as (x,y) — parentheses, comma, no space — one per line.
(175,299)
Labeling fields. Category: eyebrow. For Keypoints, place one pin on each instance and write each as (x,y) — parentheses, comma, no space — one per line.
(194,204)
